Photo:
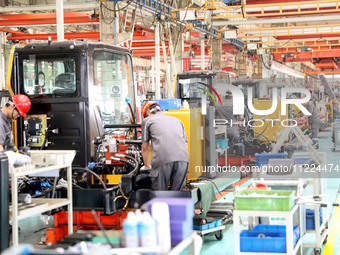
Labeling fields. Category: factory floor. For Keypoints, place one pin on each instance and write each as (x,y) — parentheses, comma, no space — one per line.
(226,245)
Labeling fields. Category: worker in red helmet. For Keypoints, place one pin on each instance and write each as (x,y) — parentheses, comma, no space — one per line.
(168,140)
(18,106)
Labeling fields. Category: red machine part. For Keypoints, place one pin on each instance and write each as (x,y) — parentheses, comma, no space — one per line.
(82,220)
(121,149)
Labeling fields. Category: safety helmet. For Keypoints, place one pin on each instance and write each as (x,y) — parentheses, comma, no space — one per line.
(228,93)
(333,101)
(266,96)
(147,106)
(22,103)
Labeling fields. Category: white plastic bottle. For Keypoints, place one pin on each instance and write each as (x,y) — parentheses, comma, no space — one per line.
(147,231)
(160,212)
(130,229)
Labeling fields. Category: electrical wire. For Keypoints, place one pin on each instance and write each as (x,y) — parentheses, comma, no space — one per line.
(93,173)
(207,179)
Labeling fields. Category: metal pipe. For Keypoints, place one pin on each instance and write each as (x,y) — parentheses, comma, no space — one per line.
(202,54)
(158,61)
(60,20)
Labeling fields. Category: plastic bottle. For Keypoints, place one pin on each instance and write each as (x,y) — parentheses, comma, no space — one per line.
(130,229)
(139,218)
(147,231)
(160,212)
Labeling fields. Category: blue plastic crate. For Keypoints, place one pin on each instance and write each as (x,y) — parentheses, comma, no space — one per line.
(273,239)
(303,161)
(209,225)
(218,223)
(222,143)
(310,219)
(169,104)
(263,158)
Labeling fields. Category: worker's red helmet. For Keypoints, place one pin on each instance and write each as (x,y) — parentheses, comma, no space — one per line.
(334,101)
(22,103)
(266,96)
(228,92)
(147,106)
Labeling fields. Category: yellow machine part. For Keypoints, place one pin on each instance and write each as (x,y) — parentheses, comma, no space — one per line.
(270,130)
(192,120)
(297,112)
(108,178)
(329,107)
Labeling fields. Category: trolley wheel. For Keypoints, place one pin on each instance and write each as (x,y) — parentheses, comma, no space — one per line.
(219,235)
(317,251)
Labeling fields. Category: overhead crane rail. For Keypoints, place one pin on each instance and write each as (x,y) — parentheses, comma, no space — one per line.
(268,10)
(317,30)
(314,44)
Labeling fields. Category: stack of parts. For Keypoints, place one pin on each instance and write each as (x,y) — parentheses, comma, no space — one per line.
(181,217)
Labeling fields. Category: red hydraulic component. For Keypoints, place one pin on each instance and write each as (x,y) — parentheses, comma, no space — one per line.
(82,220)
(235,160)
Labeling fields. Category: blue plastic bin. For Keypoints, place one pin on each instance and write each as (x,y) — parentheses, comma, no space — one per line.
(310,216)
(263,158)
(274,239)
(222,143)
(169,104)
(303,161)
(209,225)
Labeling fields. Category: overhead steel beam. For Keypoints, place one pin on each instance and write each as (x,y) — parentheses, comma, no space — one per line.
(45,7)
(79,35)
(322,72)
(264,10)
(329,29)
(283,56)
(45,18)
(306,18)
(317,44)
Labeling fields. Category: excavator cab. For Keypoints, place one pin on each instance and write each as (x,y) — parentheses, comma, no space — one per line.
(76,88)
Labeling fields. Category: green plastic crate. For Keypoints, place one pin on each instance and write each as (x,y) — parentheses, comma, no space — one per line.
(284,201)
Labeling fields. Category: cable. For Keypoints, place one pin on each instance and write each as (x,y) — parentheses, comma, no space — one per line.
(135,167)
(264,64)
(134,120)
(263,130)
(95,216)
(207,179)
(90,171)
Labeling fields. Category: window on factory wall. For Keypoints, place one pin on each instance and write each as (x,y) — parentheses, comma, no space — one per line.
(113,87)
(49,75)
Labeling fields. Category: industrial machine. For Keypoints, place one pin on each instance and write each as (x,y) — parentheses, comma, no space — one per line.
(83,99)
